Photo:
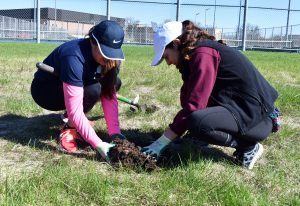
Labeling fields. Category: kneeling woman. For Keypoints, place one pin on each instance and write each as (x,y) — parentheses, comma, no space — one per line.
(225,100)
(86,74)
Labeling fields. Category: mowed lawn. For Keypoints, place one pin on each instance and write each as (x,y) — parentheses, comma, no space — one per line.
(34,172)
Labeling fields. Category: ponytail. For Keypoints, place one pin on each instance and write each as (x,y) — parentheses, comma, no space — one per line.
(190,36)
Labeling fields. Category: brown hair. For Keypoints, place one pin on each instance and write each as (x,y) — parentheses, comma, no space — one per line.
(108,73)
(191,34)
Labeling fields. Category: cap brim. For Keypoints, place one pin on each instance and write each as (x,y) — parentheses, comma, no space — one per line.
(110,53)
(158,56)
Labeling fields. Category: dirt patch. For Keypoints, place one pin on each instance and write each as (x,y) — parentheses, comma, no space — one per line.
(148,108)
(127,154)
(293,122)
(143,90)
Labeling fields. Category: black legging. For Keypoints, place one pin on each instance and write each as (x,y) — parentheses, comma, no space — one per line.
(49,94)
(216,125)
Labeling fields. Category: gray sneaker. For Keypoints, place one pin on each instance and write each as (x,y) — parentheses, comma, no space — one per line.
(248,159)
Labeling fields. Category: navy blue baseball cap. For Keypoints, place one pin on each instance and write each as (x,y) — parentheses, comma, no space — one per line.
(109,36)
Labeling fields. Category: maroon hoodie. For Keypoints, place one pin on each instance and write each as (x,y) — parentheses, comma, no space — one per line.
(197,88)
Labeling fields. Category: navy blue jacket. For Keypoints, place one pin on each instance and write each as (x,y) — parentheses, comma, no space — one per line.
(240,87)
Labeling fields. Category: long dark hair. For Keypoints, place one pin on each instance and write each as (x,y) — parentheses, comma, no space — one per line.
(108,73)
(191,34)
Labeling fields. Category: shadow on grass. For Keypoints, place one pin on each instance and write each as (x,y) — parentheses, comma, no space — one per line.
(187,150)
(40,131)
(180,152)
(31,131)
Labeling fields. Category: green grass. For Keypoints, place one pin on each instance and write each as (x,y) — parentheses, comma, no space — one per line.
(33,172)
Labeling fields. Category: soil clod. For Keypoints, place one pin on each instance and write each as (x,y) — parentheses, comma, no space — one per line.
(127,154)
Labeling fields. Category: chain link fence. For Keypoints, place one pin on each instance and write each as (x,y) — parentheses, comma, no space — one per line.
(267,27)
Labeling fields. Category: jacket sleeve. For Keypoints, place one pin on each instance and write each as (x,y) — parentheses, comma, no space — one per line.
(196,90)
(111,113)
(73,97)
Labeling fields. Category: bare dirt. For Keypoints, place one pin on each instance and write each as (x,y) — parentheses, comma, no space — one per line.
(127,154)
(149,108)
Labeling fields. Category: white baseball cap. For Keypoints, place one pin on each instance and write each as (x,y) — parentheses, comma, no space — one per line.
(162,37)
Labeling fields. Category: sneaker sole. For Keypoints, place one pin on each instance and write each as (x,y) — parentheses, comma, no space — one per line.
(256,156)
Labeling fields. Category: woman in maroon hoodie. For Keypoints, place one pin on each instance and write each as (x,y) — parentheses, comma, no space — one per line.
(225,100)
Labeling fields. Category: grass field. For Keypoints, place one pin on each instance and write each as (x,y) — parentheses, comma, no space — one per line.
(34,172)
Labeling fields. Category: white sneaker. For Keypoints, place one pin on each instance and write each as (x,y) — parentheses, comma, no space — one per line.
(249,158)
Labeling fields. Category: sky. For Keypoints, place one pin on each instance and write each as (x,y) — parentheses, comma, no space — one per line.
(204,14)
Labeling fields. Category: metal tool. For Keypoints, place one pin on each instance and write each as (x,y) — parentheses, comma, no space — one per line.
(46,68)
(134,105)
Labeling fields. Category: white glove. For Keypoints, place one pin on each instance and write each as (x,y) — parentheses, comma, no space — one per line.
(156,147)
(103,148)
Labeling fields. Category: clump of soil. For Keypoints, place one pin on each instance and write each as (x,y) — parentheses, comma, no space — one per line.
(127,154)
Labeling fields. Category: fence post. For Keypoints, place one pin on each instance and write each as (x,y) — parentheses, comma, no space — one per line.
(214,21)
(291,37)
(287,24)
(244,26)
(108,10)
(239,24)
(34,20)
(178,10)
(38,22)
(272,37)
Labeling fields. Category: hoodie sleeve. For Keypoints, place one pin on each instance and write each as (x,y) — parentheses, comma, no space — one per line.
(196,90)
